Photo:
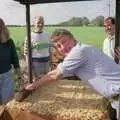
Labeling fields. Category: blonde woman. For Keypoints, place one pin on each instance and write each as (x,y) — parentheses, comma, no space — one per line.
(8,58)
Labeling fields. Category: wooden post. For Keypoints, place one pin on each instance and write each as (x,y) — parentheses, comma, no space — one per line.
(28,26)
(117,25)
(117,39)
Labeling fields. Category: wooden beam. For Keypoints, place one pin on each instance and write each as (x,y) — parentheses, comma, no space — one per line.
(28,28)
(47,1)
(117,30)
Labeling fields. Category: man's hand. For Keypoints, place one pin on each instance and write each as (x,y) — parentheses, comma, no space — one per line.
(30,87)
(46,79)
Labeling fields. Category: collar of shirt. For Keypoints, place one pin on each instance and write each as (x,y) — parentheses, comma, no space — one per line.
(111,37)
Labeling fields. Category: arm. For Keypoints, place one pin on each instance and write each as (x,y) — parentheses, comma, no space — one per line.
(46,79)
(15,62)
(67,68)
(14,56)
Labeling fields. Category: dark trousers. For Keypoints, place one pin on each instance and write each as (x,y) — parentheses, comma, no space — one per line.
(113,114)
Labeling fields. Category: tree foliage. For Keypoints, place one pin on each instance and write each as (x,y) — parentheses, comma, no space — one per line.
(98,21)
(83,21)
(75,21)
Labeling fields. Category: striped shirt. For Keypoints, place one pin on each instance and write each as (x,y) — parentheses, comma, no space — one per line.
(40,45)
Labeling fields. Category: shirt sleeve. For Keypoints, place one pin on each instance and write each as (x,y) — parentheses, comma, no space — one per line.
(112,47)
(14,56)
(74,60)
(25,46)
(104,46)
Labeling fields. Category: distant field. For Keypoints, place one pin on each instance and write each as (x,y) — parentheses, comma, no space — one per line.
(89,35)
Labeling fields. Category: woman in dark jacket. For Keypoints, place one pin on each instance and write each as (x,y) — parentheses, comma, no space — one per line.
(8,58)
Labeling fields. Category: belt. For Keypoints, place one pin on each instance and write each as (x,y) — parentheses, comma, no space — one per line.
(44,59)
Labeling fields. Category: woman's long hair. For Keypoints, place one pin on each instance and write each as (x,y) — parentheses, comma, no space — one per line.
(4,32)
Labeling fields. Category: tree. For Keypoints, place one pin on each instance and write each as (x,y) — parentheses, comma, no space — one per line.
(85,21)
(98,21)
(74,21)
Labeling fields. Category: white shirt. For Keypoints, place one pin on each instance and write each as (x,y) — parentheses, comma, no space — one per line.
(91,64)
(108,46)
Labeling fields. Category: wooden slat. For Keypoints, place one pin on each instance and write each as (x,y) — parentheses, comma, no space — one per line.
(47,1)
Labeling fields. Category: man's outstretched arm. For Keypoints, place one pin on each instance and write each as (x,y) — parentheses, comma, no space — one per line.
(46,79)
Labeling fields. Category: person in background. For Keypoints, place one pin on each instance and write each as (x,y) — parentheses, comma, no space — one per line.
(40,41)
(8,58)
(109,42)
(87,63)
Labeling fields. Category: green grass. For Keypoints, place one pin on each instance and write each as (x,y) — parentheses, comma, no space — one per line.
(18,35)
(89,35)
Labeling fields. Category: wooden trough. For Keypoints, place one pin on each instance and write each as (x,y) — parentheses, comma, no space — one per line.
(63,100)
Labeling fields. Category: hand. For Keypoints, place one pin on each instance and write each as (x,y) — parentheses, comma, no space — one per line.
(30,87)
(18,72)
(36,78)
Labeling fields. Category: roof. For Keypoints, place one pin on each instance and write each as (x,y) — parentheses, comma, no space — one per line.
(46,1)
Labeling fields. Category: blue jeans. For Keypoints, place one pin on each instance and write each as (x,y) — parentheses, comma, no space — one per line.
(6,87)
(40,68)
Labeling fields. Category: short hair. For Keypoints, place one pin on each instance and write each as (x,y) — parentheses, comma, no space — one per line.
(41,18)
(58,32)
(111,18)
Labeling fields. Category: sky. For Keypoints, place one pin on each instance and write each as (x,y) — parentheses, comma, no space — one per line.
(13,13)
